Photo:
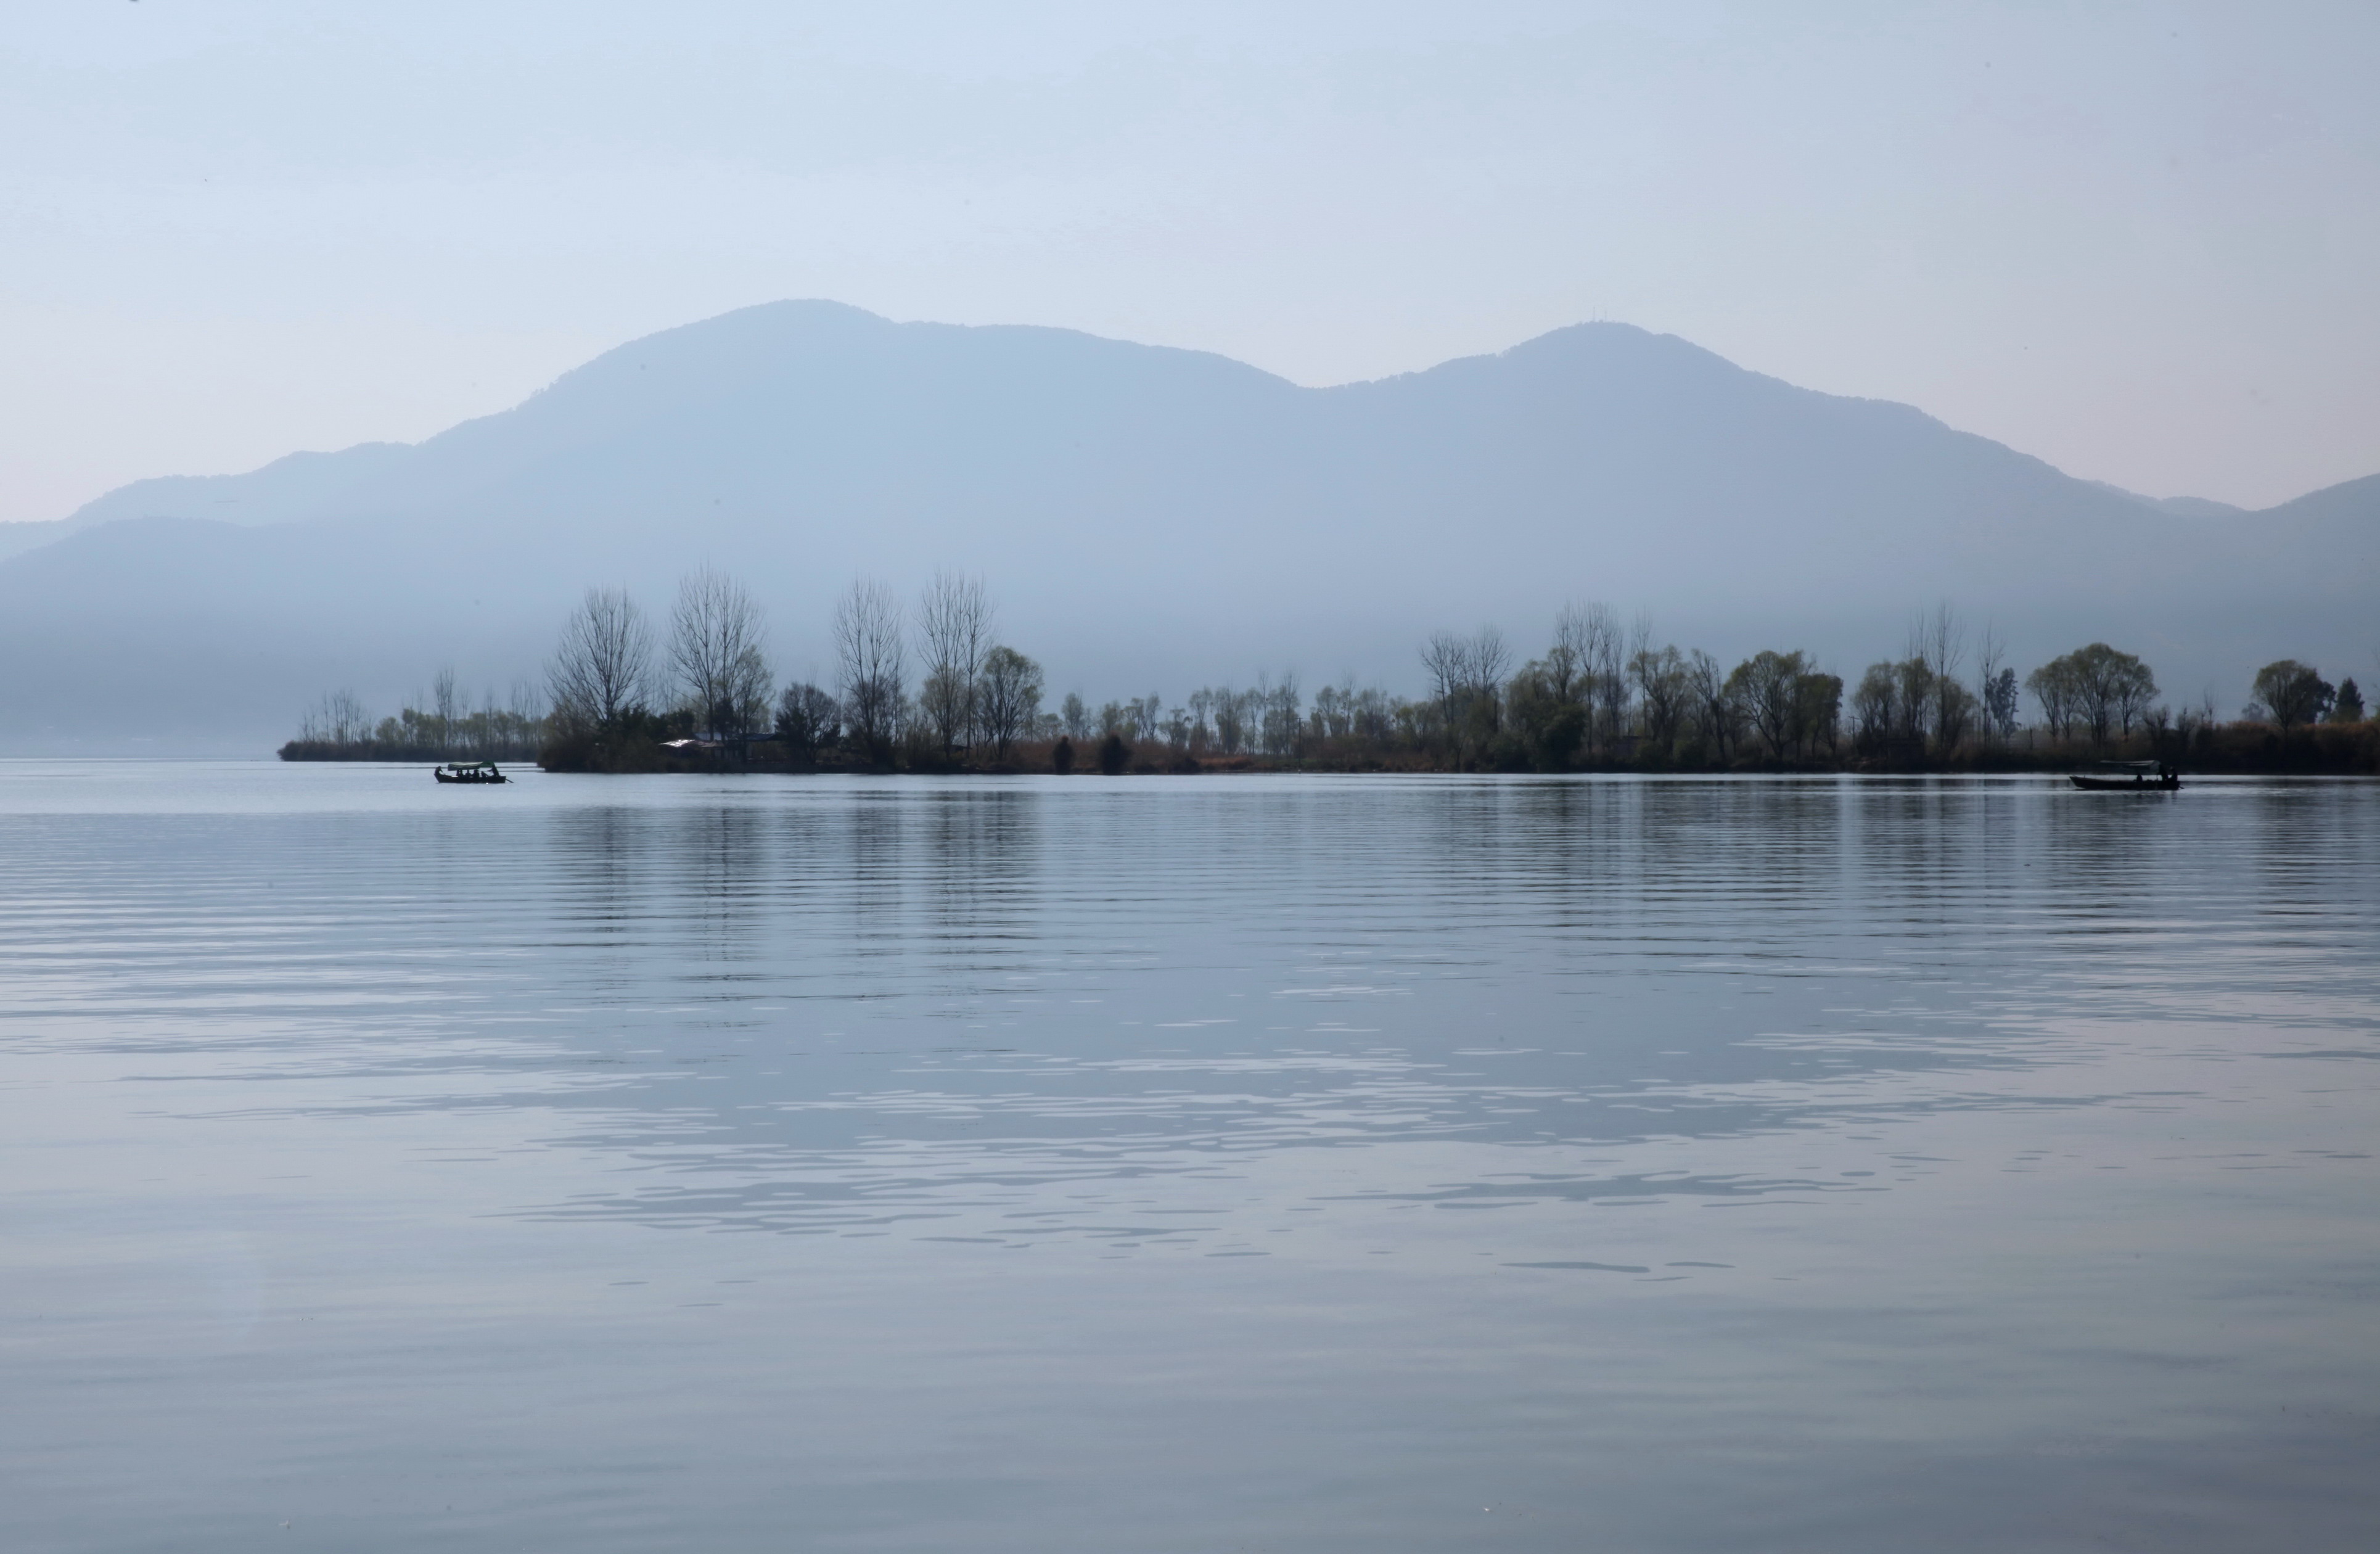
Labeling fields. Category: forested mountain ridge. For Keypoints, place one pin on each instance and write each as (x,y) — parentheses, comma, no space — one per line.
(1149,517)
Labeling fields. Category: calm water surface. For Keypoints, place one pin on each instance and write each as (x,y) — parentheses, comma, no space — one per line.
(626,1164)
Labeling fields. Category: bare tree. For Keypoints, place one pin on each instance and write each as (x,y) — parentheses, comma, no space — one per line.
(1714,705)
(1916,679)
(1467,678)
(602,668)
(1491,659)
(750,687)
(1995,685)
(1009,698)
(1662,690)
(870,662)
(1768,685)
(1566,660)
(1587,665)
(1280,725)
(954,633)
(1940,639)
(1991,655)
(1640,643)
(1448,659)
(338,719)
(1228,705)
(716,635)
(1603,688)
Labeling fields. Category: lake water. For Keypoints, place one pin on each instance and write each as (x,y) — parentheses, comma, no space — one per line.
(1185,1164)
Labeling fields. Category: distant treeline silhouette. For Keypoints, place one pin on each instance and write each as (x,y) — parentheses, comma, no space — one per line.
(931,689)
(339,728)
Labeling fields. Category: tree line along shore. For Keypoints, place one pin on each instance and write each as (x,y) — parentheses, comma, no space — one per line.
(928,687)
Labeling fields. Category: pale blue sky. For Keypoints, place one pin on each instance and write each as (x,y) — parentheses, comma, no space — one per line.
(2140,241)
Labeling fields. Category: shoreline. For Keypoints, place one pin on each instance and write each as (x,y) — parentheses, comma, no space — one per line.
(2337,750)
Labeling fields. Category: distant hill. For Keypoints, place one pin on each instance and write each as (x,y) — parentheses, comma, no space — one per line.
(1150,519)
(2184,506)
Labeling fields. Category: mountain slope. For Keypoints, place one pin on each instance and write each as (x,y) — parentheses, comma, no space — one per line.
(1150,518)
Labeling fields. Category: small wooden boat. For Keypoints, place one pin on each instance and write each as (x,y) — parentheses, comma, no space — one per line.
(470,771)
(2128,776)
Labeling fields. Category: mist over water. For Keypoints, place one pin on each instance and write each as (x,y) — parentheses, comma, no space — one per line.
(1290,1163)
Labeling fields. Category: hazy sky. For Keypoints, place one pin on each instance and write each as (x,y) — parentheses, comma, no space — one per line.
(2142,242)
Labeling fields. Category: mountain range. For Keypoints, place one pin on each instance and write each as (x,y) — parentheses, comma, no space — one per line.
(1149,519)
